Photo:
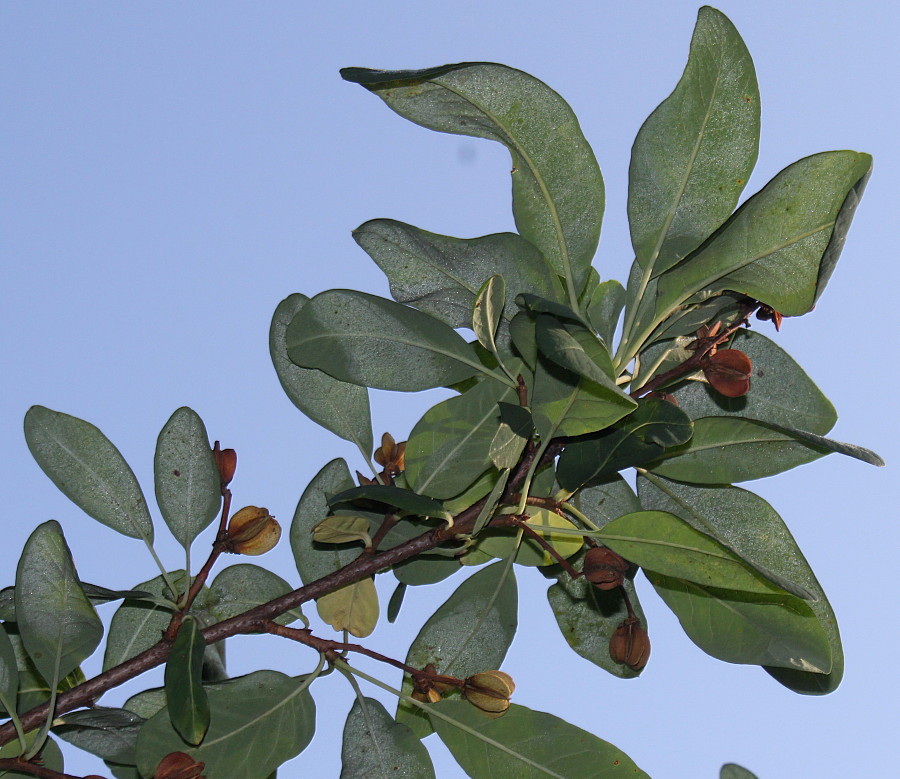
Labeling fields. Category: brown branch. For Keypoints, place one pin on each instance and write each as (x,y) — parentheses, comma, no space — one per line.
(389,521)
(24,767)
(692,363)
(516,521)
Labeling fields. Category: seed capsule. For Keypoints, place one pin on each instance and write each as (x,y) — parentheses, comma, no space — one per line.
(179,765)
(604,568)
(630,645)
(728,371)
(252,531)
(489,691)
(226,462)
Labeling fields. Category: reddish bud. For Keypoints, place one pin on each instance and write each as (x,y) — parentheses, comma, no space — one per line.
(728,371)
(226,462)
(630,645)
(178,765)
(604,568)
(766,313)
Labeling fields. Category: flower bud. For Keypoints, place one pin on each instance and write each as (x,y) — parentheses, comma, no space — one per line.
(226,462)
(728,371)
(630,645)
(604,568)
(252,531)
(179,765)
(489,691)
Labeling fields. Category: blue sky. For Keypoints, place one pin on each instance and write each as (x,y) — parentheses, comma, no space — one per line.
(173,170)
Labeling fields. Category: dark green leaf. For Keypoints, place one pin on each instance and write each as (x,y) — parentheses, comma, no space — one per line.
(49,756)
(315,561)
(450,446)
(564,404)
(774,245)
(535,304)
(733,449)
(780,392)
(527,743)
(732,771)
(640,437)
(470,632)
(396,601)
(557,186)
(108,733)
(89,470)
(442,275)
(748,628)
(694,154)
(373,342)
(241,587)
(521,330)
(188,489)
(257,723)
(377,747)
(426,569)
(573,347)
(187,703)
(9,673)
(59,627)
(605,308)
(662,542)
(395,497)
(339,407)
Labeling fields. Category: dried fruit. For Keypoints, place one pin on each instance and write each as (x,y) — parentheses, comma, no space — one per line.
(252,531)
(390,455)
(766,313)
(604,568)
(728,371)
(179,765)
(630,645)
(226,462)
(489,691)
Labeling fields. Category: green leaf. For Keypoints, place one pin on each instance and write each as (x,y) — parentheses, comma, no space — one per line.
(733,449)
(694,154)
(605,308)
(521,331)
(564,404)
(640,437)
(775,245)
(314,561)
(89,470)
(426,569)
(138,624)
(501,543)
(527,743)
(373,342)
(396,497)
(733,771)
(780,392)
(470,632)
(377,747)
(487,310)
(748,628)
(339,407)
(441,275)
(664,543)
(50,756)
(187,703)
(471,495)
(58,625)
(257,722)
(749,525)
(242,587)
(9,674)
(395,602)
(342,529)
(450,446)
(353,608)
(573,347)
(188,489)
(108,733)
(557,187)
(511,437)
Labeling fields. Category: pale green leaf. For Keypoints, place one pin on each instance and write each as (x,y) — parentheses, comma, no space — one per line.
(338,406)
(353,608)
(487,310)
(188,489)
(558,192)
(89,470)
(375,746)
(342,529)
(57,622)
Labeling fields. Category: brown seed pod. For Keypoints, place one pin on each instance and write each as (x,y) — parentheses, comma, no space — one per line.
(489,691)
(252,531)
(728,371)
(630,645)
(178,765)
(604,568)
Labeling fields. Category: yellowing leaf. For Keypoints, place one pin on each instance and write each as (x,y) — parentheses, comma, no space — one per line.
(500,544)
(342,530)
(353,608)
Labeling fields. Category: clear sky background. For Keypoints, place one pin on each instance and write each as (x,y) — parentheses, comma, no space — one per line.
(171,171)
